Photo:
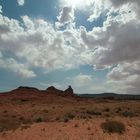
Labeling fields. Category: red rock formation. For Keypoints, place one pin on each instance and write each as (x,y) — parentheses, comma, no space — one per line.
(69,91)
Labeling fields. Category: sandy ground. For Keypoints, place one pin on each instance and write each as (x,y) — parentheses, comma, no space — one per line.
(19,114)
(74,130)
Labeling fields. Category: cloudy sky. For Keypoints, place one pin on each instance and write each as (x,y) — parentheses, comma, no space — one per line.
(93,45)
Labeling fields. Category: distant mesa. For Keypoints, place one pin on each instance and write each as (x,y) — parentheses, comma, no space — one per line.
(53,90)
(67,92)
(32,92)
(49,90)
(22,88)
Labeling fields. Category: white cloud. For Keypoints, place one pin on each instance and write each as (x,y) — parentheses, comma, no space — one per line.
(97,8)
(119,3)
(18,68)
(21,2)
(127,74)
(115,45)
(0,9)
(66,16)
(81,80)
(39,44)
(84,83)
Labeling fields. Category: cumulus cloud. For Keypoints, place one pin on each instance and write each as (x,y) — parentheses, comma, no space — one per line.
(66,16)
(39,44)
(124,70)
(86,83)
(20,2)
(0,9)
(81,80)
(115,45)
(118,3)
(115,42)
(18,68)
(127,74)
(97,8)
(132,5)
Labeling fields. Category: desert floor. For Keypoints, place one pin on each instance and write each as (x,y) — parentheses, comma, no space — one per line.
(61,118)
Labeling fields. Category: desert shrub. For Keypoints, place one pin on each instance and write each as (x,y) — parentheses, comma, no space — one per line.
(5,111)
(24,100)
(107,110)
(69,116)
(88,128)
(13,116)
(92,112)
(21,118)
(107,115)
(113,127)
(38,120)
(83,117)
(57,118)
(53,107)
(82,108)
(65,120)
(76,125)
(119,109)
(128,114)
(45,111)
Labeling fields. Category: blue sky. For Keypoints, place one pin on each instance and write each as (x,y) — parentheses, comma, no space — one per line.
(88,45)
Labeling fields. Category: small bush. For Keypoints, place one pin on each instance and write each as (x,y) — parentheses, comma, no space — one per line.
(119,109)
(83,117)
(45,111)
(38,120)
(128,114)
(21,118)
(82,108)
(107,110)
(13,116)
(24,100)
(69,116)
(92,112)
(76,125)
(66,120)
(5,111)
(113,127)
(57,118)
(88,128)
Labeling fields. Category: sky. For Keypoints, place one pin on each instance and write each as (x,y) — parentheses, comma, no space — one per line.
(94,46)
